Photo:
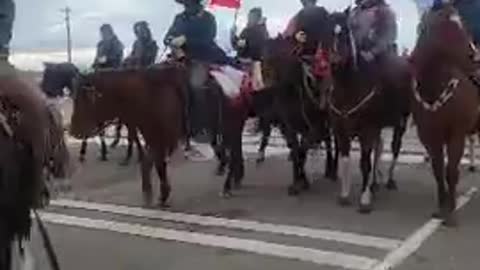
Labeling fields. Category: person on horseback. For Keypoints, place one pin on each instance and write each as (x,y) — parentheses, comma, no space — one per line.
(374,28)
(192,36)
(109,49)
(250,44)
(145,48)
(304,26)
(7,15)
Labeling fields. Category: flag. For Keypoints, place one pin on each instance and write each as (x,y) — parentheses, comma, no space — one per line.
(226,3)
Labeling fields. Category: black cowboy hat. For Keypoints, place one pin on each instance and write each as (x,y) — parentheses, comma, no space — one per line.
(185,2)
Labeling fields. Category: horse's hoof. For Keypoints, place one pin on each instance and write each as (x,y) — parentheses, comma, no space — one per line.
(392,185)
(344,201)
(472,169)
(439,214)
(365,208)
(164,205)
(226,194)
(294,190)
(81,159)
(147,199)
(450,221)
(260,161)
(237,185)
(103,159)
(305,185)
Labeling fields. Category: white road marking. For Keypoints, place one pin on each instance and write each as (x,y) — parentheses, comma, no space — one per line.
(336,259)
(328,235)
(415,241)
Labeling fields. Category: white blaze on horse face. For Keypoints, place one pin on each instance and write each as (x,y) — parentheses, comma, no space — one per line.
(338,29)
(344,174)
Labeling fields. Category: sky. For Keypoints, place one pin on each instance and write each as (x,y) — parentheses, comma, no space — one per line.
(40,36)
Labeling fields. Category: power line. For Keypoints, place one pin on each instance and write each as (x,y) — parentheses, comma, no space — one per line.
(67,12)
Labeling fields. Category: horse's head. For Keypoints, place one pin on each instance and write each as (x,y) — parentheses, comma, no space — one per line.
(344,49)
(443,37)
(57,77)
(280,55)
(86,105)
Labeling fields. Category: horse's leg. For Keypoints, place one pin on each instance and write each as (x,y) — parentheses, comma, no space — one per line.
(146,167)
(398,133)
(455,150)
(438,165)
(131,140)
(471,153)
(377,159)
(218,146)
(344,176)
(302,155)
(118,135)
(292,140)
(367,143)
(236,157)
(83,150)
(330,170)
(104,150)
(165,188)
(266,128)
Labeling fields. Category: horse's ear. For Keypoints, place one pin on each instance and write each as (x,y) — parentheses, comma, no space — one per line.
(348,10)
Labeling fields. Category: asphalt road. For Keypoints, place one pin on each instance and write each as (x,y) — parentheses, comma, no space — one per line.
(101,224)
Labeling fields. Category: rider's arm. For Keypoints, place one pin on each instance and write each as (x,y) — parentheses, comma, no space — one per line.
(173,31)
(386,31)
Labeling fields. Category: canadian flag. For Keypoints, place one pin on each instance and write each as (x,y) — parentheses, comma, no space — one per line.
(226,3)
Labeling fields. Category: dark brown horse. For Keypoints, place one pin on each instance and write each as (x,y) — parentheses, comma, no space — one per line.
(151,100)
(296,99)
(26,141)
(367,97)
(445,105)
(58,77)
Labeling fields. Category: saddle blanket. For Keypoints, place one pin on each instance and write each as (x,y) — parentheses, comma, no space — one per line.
(230,79)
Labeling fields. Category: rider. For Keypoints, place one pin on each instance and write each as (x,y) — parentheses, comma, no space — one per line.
(249,45)
(374,28)
(193,34)
(145,48)
(304,26)
(109,49)
(7,15)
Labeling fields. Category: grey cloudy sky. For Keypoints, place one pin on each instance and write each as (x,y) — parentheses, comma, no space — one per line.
(40,34)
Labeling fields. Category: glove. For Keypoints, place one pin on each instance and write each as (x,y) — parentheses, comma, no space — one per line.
(301,37)
(241,43)
(178,41)
(367,56)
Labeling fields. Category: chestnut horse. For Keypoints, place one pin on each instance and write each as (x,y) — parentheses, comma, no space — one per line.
(366,98)
(445,106)
(60,76)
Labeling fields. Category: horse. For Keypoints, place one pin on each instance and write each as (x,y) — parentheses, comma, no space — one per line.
(150,100)
(445,107)
(26,140)
(56,78)
(297,102)
(362,103)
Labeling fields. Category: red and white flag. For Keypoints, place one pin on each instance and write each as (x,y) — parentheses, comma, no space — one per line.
(226,3)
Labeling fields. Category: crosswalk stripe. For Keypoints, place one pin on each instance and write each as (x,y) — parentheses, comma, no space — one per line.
(336,259)
(328,235)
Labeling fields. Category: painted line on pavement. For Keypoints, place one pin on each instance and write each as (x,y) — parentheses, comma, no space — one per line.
(328,235)
(415,241)
(336,259)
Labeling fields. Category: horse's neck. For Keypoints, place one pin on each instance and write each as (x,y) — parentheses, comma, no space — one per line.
(354,82)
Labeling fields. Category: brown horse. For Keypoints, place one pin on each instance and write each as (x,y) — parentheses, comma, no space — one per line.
(297,102)
(60,76)
(445,105)
(26,141)
(366,98)
(151,100)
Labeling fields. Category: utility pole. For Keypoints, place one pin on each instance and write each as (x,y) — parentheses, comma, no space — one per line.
(67,12)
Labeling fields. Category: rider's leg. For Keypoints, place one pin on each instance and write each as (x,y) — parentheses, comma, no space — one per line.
(198,78)
(7,15)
